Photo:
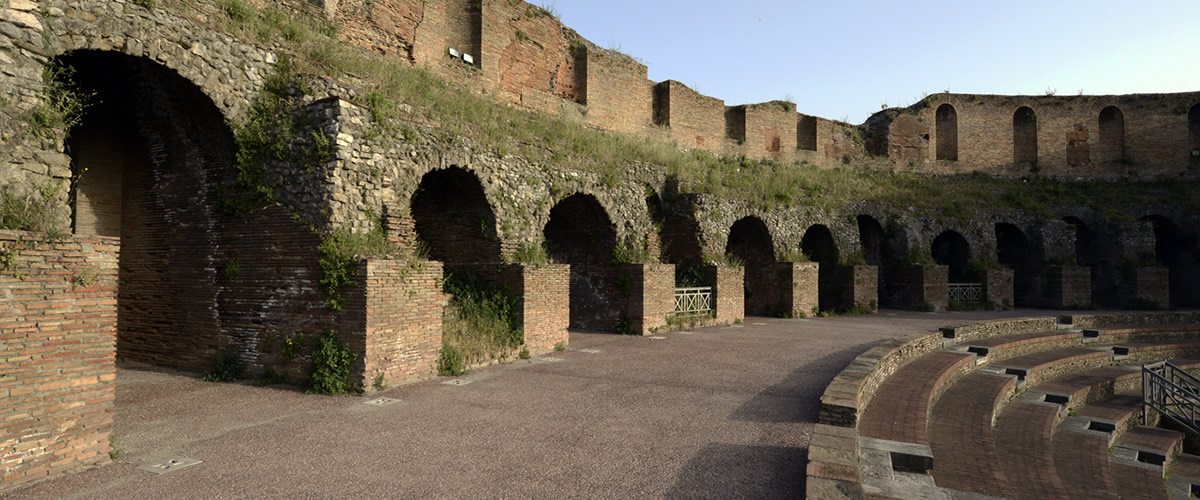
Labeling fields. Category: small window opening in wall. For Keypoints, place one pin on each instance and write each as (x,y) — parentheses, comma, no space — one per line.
(1025,140)
(947,132)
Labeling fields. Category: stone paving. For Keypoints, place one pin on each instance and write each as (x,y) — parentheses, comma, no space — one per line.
(720,412)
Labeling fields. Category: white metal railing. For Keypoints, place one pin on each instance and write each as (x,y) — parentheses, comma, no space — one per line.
(966,292)
(693,300)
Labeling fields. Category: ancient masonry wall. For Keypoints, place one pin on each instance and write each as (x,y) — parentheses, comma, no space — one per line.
(543,295)
(652,296)
(58,328)
(399,305)
(729,292)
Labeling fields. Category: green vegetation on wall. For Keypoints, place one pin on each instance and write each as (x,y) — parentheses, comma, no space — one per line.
(478,324)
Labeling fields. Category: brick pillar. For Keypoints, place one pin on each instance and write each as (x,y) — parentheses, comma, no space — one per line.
(926,287)
(801,288)
(998,284)
(58,331)
(651,295)
(1152,288)
(1068,287)
(399,308)
(862,283)
(728,292)
(543,296)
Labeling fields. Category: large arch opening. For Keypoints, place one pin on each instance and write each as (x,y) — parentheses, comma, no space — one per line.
(877,252)
(1175,251)
(946,119)
(146,158)
(750,242)
(819,246)
(952,250)
(1194,132)
(581,234)
(1014,252)
(1090,252)
(452,216)
(1112,134)
(1025,140)
(678,238)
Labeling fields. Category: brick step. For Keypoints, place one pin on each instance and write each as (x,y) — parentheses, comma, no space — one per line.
(1183,480)
(1080,455)
(1032,369)
(1023,448)
(1000,348)
(899,411)
(960,434)
(1140,459)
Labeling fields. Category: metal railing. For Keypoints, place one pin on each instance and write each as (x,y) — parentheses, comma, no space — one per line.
(966,292)
(693,300)
(1172,392)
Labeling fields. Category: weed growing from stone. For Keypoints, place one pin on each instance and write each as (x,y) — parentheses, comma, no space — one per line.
(331,366)
(560,347)
(478,324)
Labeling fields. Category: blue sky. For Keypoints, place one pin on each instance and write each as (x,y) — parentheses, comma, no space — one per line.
(844,59)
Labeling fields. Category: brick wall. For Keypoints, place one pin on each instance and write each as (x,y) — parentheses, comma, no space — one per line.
(863,283)
(922,286)
(531,58)
(399,307)
(770,129)
(1068,287)
(58,327)
(619,95)
(801,286)
(998,285)
(543,296)
(1151,287)
(695,120)
(652,297)
(728,291)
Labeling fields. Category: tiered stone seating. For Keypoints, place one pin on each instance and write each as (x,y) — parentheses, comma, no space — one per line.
(1019,409)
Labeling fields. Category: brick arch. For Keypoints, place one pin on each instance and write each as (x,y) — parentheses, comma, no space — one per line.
(148,158)
(1014,251)
(951,249)
(946,121)
(452,214)
(1025,136)
(750,242)
(580,233)
(228,71)
(1112,134)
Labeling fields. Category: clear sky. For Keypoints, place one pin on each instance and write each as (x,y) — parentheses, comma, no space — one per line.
(844,59)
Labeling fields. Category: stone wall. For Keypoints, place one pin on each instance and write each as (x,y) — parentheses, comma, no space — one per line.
(1069,287)
(924,287)
(998,285)
(58,328)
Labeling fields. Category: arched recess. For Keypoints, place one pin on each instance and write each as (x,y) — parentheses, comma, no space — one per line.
(1194,132)
(951,249)
(877,251)
(1176,251)
(1089,252)
(581,234)
(1025,140)
(819,246)
(452,216)
(947,132)
(750,242)
(146,160)
(1112,134)
(1014,252)
(678,236)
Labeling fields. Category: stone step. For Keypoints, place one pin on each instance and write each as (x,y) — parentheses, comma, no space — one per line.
(900,409)
(1183,480)
(1036,367)
(960,434)
(1010,346)
(1023,448)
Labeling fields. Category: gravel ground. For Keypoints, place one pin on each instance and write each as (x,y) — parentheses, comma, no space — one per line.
(722,412)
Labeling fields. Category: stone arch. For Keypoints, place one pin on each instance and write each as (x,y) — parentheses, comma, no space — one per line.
(946,119)
(230,72)
(451,215)
(147,158)
(1112,134)
(580,233)
(952,250)
(750,241)
(678,235)
(1175,250)
(818,244)
(1025,139)
(1194,132)
(1014,251)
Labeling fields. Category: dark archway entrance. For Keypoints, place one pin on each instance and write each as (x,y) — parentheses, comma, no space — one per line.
(678,239)
(952,250)
(946,119)
(750,242)
(819,246)
(1112,134)
(1175,251)
(1014,252)
(1025,136)
(581,234)
(877,251)
(451,214)
(147,158)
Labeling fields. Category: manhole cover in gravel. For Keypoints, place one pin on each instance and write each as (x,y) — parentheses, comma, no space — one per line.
(547,360)
(657,337)
(169,465)
(457,381)
(380,401)
(685,333)
(591,351)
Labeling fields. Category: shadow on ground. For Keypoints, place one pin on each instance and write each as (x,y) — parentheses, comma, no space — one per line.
(797,398)
(740,471)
